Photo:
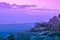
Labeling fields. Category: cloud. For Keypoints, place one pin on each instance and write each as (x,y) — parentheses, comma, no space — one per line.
(4,5)
(28,5)
(7,5)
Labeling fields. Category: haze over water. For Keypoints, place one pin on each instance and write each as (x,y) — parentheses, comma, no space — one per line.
(18,16)
(17,20)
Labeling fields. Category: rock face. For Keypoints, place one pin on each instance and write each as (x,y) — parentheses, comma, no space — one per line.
(53,25)
(39,27)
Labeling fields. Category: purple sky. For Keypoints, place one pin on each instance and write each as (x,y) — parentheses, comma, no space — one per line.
(51,4)
(29,15)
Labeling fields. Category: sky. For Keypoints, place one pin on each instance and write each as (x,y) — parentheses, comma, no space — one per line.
(51,4)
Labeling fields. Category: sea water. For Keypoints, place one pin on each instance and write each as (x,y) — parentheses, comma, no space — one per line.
(35,36)
(6,29)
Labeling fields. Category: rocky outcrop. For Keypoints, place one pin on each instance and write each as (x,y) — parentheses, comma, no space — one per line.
(52,25)
(55,23)
(39,27)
